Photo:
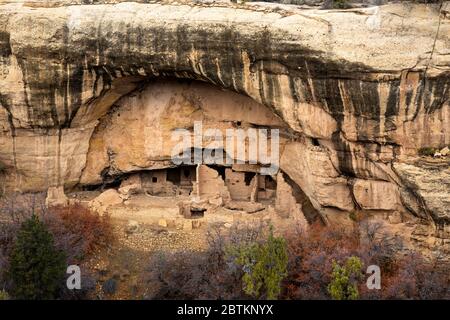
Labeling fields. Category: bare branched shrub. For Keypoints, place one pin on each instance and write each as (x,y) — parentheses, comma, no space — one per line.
(311,256)
(405,275)
(78,230)
(378,247)
(203,275)
(17,207)
(14,209)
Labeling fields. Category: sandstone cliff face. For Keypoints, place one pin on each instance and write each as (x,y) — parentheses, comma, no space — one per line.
(360,91)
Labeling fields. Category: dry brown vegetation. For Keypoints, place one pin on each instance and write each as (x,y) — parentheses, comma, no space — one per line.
(76,230)
(404,274)
(203,275)
(211,275)
(79,230)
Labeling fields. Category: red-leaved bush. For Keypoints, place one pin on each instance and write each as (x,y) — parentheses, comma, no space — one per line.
(78,230)
(405,274)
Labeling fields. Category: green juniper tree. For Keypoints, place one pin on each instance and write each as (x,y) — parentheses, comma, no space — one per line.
(264,265)
(344,284)
(37,268)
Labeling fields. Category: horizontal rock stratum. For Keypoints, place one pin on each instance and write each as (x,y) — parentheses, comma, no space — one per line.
(360,91)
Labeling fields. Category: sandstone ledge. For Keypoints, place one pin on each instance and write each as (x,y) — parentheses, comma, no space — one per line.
(371,85)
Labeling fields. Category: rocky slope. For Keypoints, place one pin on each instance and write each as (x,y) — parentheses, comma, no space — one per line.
(362,90)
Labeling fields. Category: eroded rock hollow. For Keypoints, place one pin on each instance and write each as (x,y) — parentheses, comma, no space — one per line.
(91,94)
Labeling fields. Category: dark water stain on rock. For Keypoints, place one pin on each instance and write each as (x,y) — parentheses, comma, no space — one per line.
(439,91)
(5,45)
(344,155)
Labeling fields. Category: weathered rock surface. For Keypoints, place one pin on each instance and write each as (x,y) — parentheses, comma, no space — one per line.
(358,93)
(56,197)
(376,195)
(130,185)
(108,198)
(249,207)
(138,132)
(430,181)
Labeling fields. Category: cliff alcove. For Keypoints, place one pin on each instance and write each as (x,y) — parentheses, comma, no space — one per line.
(91,96)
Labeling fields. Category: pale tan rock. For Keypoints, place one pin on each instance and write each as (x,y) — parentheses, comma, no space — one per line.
(211,184)
(395,217)
(301,102)
(249,207)
(216,202)
(430,181)
(378,195)
(314,172)
(37,154)
(74,202)
(345,86)
(56,197)
(108,198)
(286,205)
(131,185)
(162,223)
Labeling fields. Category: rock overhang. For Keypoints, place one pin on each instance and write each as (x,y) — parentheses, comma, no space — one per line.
(372,83)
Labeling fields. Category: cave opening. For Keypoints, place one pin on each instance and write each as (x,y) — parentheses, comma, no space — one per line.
(162,106)
(248,177)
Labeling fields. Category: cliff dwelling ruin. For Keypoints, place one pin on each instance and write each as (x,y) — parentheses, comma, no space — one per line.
(90,101)
(131,151)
